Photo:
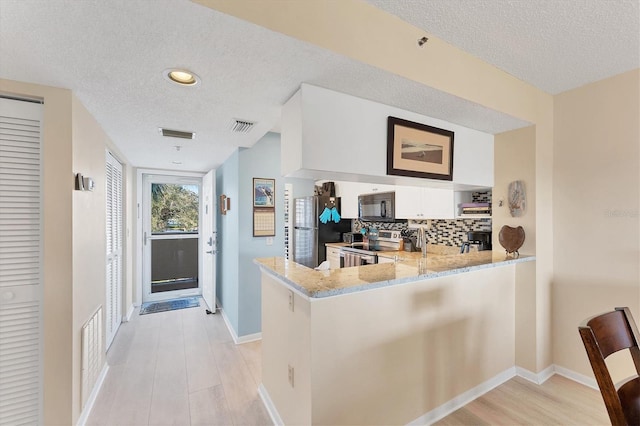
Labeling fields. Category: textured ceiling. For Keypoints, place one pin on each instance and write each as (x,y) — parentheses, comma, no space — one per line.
(555,45)
(112,54)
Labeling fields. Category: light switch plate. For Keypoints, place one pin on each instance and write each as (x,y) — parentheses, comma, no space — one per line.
(269,241)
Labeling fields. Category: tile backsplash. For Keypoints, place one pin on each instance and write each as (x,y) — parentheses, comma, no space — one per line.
(454,232)
(447,232)
(481,197)
(356,225)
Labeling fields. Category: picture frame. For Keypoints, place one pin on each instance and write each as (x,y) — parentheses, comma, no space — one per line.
(264,222)
(264,192)
(418,150)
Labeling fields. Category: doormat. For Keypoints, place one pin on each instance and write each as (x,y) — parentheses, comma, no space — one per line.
(169,305)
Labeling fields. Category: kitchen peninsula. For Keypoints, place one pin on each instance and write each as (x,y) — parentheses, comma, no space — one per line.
(388,343)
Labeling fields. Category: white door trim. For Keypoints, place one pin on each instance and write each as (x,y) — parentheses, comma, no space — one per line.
(138,243)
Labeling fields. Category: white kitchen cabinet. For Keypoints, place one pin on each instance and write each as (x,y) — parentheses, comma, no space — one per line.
(333,256)
(409,202)
(349,192)
(424,203)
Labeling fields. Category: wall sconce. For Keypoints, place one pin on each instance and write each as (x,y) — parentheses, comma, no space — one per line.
(225,204)
(84,183)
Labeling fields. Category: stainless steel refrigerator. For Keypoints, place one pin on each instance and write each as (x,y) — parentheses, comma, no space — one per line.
(310,234)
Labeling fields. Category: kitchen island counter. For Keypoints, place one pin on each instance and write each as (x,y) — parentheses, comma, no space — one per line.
(411,267)
(390,343)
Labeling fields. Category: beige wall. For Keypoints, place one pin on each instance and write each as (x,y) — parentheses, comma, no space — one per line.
(74,241)
(388,355)
(89,224)
(515,159)
(596,209)
(58,274)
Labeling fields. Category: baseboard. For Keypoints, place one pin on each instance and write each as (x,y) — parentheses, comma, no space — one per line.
(576,377)
(270,407)
(241,339)
(234,336)
(249,338)
(463,399)
(84,416)
(130,312)
(537,378)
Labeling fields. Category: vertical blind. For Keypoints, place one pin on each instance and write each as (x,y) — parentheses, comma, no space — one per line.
(114,246)
(20,263)
(288,189)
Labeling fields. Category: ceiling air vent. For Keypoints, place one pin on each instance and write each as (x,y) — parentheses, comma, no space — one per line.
(177,134)
(241,126)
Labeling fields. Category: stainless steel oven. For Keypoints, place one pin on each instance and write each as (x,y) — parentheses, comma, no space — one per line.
(359,254)
(351,256)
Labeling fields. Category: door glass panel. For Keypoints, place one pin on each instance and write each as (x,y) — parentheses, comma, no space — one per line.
(174,209)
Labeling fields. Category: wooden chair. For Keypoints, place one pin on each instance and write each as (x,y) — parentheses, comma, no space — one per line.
(603,335)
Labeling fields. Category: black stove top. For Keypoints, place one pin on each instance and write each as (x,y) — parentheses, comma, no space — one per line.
(366,248)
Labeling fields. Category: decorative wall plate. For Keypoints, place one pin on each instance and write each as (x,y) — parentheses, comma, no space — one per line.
(516,198)
(511,238)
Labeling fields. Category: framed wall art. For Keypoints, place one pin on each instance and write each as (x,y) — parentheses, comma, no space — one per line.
(418,150)
(264,192)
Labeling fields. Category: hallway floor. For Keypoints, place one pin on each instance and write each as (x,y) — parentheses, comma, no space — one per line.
(180,368)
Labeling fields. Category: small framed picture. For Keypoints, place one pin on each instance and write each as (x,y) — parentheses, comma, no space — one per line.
(264,192)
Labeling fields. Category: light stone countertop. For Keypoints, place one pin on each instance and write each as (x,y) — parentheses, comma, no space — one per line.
(338,245)
(319,284)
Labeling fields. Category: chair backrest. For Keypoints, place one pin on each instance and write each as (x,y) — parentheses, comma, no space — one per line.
(602,336)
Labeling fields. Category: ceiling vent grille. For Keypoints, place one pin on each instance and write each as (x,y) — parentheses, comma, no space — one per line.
(241,126)
(177,134)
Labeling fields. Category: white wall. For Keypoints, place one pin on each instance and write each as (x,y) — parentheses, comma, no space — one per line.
(344,134)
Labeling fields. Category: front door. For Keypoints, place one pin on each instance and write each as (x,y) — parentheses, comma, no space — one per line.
(208,240)
(171,237)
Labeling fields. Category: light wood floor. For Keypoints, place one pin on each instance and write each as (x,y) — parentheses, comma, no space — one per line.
(180,368)
(558,401)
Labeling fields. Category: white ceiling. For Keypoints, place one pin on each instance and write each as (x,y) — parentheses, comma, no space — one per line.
(112,54)
(555,45)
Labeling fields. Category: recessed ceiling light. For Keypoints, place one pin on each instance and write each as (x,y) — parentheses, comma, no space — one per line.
(181,77)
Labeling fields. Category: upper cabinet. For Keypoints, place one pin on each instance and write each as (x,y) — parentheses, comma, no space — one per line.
(412,202)
(349,192)
(331,135)
(424,203)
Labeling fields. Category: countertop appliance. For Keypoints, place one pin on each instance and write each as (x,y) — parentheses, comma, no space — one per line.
(310,234)
(377,207)
(480,238)
(366,253)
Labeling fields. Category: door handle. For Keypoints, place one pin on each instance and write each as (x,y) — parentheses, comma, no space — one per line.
(211,252)
(146,238)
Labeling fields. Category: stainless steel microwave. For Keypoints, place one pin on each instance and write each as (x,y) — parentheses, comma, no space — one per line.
(377,207)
